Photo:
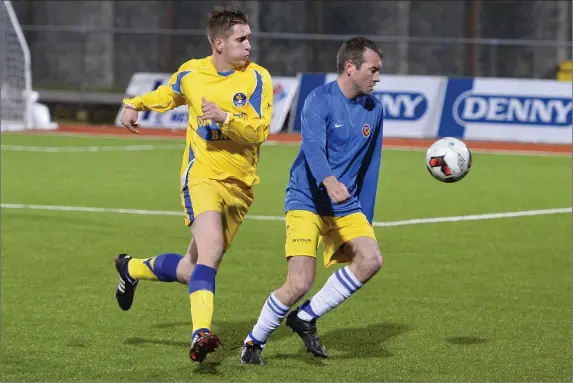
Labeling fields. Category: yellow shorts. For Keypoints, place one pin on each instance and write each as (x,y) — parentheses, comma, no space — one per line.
(230,199)
(305,230)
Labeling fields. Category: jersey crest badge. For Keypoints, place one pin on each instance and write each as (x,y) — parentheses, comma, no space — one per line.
(366,130)
(239,99)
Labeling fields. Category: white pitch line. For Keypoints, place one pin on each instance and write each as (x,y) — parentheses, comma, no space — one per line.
(526,153)
(477,217)
(412,148)
(87,209)
(98,136)
(76,149)
(133,148)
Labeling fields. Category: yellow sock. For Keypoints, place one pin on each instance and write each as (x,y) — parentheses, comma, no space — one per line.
(202,296)
(202,308)
(138,269)
(161,268)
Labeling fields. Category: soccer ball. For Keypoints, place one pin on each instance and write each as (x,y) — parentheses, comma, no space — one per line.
(448,160)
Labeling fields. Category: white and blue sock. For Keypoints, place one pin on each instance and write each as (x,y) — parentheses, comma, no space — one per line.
(339,287)
(271,316)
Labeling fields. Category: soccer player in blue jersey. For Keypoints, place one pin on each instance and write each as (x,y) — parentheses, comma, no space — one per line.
(330,197)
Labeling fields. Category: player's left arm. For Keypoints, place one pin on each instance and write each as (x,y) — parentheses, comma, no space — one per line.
(254,129)
(368,182)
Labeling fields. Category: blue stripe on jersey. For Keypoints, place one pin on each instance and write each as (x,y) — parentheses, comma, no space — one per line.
(176,87)
(185,187)
(256,99)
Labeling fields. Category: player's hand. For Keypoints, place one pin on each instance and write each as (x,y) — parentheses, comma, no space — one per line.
(129,119)
(212,112)
(336,190)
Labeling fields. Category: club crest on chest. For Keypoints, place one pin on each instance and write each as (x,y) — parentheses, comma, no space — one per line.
(366,130)
(239,99)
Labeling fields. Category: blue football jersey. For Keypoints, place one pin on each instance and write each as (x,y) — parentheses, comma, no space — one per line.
(341,138)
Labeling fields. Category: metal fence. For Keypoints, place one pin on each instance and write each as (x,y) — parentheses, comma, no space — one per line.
(96,58)
(91,45)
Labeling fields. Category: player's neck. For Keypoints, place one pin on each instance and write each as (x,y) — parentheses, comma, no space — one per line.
(347,89)
(220,64)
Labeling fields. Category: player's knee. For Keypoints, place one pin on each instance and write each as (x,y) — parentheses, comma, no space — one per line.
(370,260)
(377,261)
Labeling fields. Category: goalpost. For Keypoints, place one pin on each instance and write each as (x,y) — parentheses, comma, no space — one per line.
(16,96)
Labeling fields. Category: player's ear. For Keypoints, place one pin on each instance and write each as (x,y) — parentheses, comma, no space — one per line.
(217,43)
(349,67)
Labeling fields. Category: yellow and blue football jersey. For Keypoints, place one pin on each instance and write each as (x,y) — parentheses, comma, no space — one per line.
(218,151)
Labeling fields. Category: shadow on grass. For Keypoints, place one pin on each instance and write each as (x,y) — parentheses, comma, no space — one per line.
(354,343)
(363,343)
(232,334)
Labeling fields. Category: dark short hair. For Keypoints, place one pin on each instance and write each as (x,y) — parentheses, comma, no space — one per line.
(353,49)
(221,20)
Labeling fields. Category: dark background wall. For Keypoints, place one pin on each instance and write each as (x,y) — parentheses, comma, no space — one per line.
(106,60)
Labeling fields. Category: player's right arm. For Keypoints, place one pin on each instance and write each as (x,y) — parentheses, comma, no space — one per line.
(314,119)
(162,99)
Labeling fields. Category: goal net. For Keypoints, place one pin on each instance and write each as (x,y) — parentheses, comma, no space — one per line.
(16,97)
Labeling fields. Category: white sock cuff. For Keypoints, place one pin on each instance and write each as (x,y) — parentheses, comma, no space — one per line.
(350,278)
(276,306)
(278,303)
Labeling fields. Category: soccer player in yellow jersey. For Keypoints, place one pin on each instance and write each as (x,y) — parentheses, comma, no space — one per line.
(230,104)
